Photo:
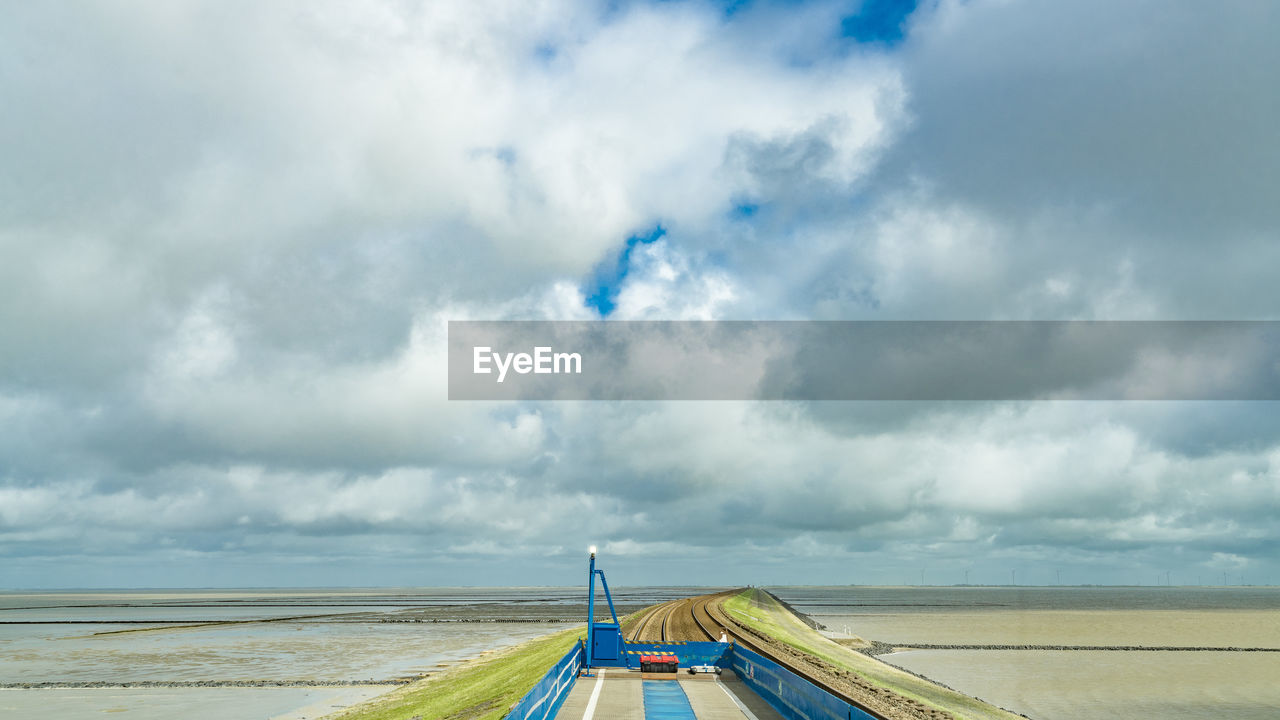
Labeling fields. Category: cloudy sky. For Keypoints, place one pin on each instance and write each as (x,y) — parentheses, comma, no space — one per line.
(232,234)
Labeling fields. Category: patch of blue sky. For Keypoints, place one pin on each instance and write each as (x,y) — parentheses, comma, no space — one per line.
(730,7)
(872,22)
(504,154)
(606,282)
(878,22)
(546,52)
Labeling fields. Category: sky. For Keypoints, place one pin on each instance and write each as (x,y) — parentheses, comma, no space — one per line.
(232,234)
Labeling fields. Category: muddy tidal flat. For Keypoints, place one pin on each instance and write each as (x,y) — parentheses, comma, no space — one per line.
(229,654)
(1075,653)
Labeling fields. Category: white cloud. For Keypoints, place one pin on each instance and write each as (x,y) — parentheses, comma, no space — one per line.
(663,285)
(233,234)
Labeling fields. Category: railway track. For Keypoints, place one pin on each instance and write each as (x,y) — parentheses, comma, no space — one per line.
(651,625)
(676,620)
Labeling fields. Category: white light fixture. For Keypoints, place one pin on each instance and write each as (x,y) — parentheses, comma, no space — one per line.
(593,550)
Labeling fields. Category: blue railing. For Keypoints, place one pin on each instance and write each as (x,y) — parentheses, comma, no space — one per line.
(794,697)
(791,695)
(545,698)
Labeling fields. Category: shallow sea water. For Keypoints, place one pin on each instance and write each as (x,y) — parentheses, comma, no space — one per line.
(1206,628)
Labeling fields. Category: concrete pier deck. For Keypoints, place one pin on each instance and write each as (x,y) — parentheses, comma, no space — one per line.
(619,694)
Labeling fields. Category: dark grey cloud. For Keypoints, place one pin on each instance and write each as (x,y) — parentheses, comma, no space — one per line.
(1155,114)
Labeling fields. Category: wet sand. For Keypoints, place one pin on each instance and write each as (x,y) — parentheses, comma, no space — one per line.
(1084,685)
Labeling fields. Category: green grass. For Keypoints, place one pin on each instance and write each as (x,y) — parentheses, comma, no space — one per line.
(762,613)
(483,689)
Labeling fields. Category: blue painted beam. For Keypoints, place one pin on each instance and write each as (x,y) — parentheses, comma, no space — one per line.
(665,700)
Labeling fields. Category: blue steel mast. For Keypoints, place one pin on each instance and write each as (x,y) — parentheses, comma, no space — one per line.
(613,638)
(591,604)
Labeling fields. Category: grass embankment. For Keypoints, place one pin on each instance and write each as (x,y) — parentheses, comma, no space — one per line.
(480,689)
(764,614)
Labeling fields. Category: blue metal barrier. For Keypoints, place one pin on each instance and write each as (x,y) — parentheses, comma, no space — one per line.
(665,700)
(544,700)
(688,653)
(791,695)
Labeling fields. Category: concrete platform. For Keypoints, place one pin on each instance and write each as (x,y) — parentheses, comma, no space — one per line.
(618,694)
